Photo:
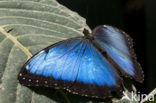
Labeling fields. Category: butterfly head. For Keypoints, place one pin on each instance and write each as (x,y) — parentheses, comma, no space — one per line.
(87,35)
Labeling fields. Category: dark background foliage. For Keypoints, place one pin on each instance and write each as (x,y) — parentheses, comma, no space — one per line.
(136,17)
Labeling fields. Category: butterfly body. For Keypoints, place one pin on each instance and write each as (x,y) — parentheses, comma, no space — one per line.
(90,65)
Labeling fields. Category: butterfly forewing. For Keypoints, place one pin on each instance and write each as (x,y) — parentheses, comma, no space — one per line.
(118,46)
(75,65)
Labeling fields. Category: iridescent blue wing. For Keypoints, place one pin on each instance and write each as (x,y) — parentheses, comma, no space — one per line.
(74,65)
(118,46)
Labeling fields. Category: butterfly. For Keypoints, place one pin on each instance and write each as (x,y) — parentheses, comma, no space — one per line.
(91,65)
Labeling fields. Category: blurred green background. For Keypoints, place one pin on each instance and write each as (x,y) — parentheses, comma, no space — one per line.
(136,17)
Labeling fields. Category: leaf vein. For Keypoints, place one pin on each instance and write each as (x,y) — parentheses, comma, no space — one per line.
(43,21)
(16,42)
(24,10)
(33,27)
(6,64)
(49,36)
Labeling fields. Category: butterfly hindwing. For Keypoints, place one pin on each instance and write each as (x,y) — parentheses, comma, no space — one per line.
(118,46)
(75,65)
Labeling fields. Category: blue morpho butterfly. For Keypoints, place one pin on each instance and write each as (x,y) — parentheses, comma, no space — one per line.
(90,65)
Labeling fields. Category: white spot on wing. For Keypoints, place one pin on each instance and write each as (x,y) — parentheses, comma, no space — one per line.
(27,67)
(37,81)
(20,74)
(45,82)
